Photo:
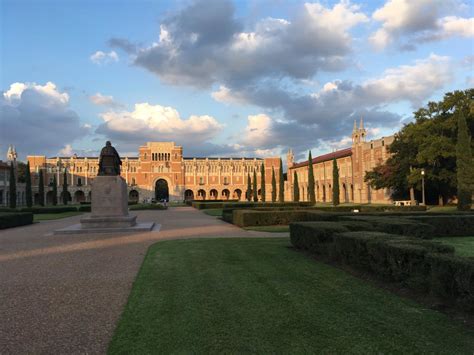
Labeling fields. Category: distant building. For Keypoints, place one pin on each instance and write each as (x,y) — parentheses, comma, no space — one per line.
(353,163)
(160,171)
(5,180)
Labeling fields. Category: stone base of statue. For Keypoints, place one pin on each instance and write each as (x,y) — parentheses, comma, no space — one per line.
(109,210)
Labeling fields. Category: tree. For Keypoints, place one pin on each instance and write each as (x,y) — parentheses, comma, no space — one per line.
(311,193)
(12,186)
(274,186)
(335,183)
(262,182)
(255,192)
(296,188)
(464,166)
(28,192)
(41,188)
(65,192)
(55,190)
(21,171)
(281,183)
(249,188)
(428,143)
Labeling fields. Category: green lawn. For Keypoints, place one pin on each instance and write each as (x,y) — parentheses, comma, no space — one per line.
(464,245)
(260,296)
(272,229)
(215,212)
(50,216)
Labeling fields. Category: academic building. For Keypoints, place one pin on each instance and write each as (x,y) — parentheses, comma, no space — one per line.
(160,171)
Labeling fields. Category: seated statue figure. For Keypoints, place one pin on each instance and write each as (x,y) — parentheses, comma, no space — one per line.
(109,161)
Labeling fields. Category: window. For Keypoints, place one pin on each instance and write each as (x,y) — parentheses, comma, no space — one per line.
(79,182)
(133,182)
(201,181)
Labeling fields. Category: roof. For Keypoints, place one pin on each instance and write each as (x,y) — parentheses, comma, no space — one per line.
(217,158)
(330,156)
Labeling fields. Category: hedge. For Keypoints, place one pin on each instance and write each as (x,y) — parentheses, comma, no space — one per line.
(424,265)
(448,225)
(226,204)
(247,218)
(56,209)
(394,225)
(15,219)
(148,206)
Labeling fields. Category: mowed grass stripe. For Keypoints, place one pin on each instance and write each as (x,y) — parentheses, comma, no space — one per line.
(260,296)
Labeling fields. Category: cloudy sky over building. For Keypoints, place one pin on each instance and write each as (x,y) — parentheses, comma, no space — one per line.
(223,77)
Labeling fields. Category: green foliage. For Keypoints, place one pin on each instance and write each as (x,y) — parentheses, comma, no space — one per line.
(50,209)
(55,190)
(41,189)
(464,166)
(21,171)
(311,191)
(147,206)
(274,186)
(255,189)
(426,266)
(428,143)
(65,192)
(448,225)
(28,192)
(12,187)
(281,182)
(262,182)
(15,219)
(296,188)
(335,183)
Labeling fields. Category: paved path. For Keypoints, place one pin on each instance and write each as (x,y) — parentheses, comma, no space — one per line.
(64,294)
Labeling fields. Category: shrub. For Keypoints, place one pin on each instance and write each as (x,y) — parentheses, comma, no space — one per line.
(148,206)
(316,237)
(15,219)
(393,225)
(247,218)
(55,209)
(84,208)
(448,225)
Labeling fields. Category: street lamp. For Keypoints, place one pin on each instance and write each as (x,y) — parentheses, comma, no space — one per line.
(422,187)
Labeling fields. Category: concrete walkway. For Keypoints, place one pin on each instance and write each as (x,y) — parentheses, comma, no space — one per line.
(64,294)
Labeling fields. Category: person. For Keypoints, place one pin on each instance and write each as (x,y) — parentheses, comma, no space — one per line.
(109,161)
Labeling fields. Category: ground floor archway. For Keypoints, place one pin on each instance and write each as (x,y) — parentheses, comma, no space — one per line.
(133,196)
(68,196)
(79,196)
(213,194)
(162,190)
(201,195)
(189,195)
(237,194)
(50,198)
(225,194)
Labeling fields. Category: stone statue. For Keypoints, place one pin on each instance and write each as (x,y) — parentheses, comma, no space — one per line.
(109,161)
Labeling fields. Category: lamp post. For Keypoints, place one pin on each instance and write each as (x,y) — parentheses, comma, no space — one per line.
(423,187)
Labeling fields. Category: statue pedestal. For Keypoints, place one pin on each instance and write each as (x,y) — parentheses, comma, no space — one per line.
(109,207)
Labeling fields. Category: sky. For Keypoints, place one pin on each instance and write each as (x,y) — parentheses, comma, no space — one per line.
(222,77)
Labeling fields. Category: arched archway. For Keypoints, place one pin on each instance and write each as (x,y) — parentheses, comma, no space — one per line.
(201,195)
(225,194)
(213,194)
(133,196)
(189,195)
(324,193)
(346,192)
(68,194)
(237,194)
(161,190)
(49,198)
(79,196)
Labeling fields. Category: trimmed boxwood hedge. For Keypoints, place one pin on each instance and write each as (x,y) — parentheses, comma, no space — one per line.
(247,218)
(394,225)
(147,206)
(448,225)
(55,209)
(424,265)
(15,219)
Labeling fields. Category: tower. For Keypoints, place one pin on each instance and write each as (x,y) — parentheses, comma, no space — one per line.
(290,158)
(11,154)
(358,134)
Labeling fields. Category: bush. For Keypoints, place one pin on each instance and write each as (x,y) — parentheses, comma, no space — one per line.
(55,209)
(316,237)
(84,208)
(147,206)
(448,225)
(247,218)
(393,225)
(15,219)
(452,278)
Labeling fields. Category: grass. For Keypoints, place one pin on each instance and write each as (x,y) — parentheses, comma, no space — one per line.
(260,296)
(284,228)
(464,246)
(51,216)
(215,212)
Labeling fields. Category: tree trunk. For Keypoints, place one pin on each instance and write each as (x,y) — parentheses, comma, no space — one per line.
(412,195)
(440,200)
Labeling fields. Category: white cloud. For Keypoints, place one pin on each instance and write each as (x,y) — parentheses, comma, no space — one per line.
(408,23)
(156,122)
(101,57)
(225,95)
(104,100)
(67,151)
(37,118)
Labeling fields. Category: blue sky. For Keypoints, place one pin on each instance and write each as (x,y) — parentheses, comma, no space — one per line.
(221,77)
